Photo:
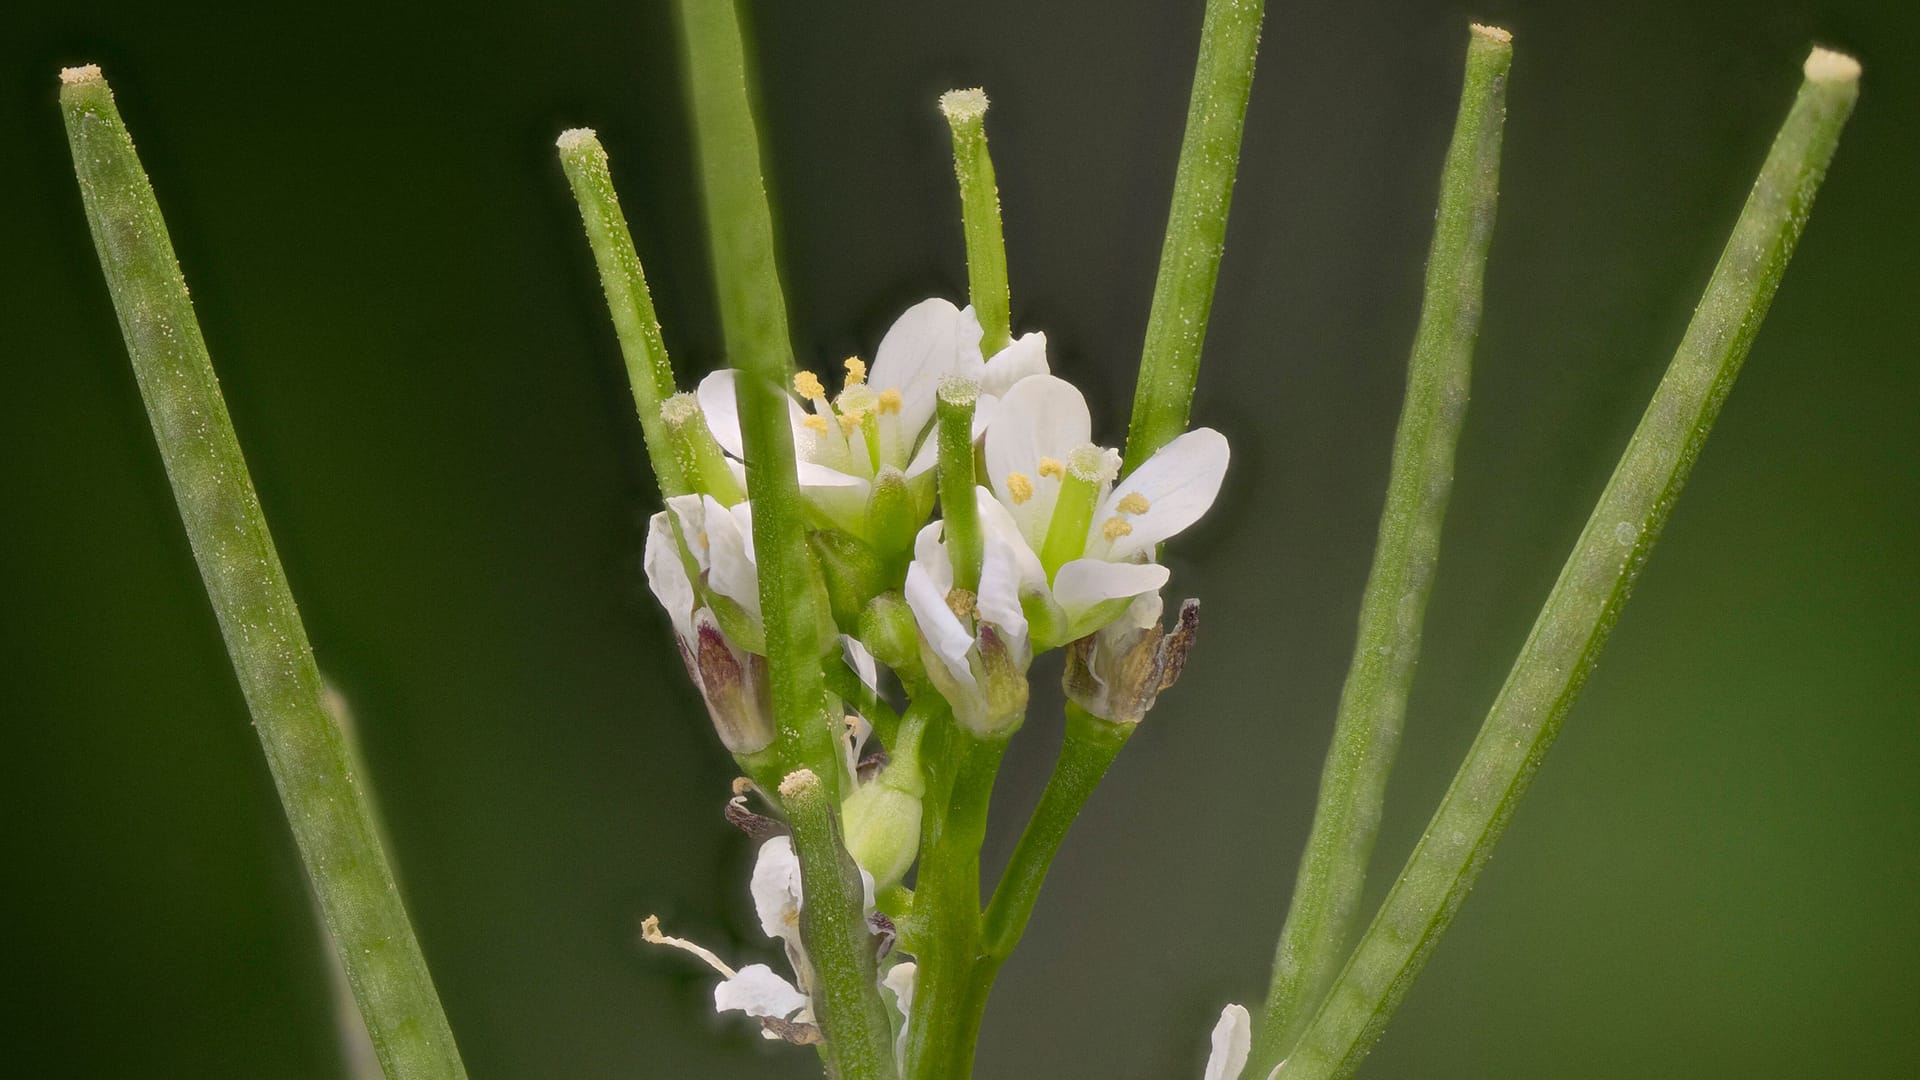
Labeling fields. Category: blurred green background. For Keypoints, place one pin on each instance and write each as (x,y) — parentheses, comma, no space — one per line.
(1715,874)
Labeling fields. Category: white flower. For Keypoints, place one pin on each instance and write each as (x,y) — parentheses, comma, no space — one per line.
(757,990)
(1095,539)
(1232,1042)
(699,563)
(882,416)
(979,642)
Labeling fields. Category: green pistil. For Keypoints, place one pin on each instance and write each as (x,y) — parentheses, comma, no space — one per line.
(1073,511)
(961,512)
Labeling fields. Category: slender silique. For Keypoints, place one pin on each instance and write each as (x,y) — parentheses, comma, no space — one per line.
(332,819)
(754,322)
(1373,704)
(966,113)
(1567,637)
(1196,226)
(649,370)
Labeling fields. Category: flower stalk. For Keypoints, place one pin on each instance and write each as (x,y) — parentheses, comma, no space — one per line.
(329,810)
(1196,226)
(1373,704)
(966,113)
(1566,639)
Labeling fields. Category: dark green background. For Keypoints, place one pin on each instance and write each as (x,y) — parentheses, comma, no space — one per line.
(1715,874)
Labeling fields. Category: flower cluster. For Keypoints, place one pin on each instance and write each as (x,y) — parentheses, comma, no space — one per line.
(1040,543)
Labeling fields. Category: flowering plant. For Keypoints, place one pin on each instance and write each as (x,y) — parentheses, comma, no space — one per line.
(860,582)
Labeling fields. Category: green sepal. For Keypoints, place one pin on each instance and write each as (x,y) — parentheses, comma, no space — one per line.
(852,572)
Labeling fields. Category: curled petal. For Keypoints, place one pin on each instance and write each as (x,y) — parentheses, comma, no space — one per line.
(757,991)
(1178,484)
(729,535)
(776,889)
(943,630)
(1232,1041)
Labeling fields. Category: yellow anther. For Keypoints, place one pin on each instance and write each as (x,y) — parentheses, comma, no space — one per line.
(807,385)
(815,423)
(889,401)
(1132,503)
(856,371)
(962,603)
(1115,528)
(1052,467)
(850,421)
(1019,487)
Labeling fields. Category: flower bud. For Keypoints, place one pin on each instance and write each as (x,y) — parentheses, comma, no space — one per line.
(852,573)
(734,684)
(888,631)
(894,513)
(883,828)
(1117,673)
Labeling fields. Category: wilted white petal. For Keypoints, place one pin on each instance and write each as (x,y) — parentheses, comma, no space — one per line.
(1025,356)
(1179,484)
(667,575)
(900,979)
(930,340)
(1083,584)
(776,889)
(1039,417)
(941,627)
(757,991)
(1232,1040)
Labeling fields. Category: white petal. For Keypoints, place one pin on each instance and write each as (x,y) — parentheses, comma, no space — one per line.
(861,661)
(841,497)
(1232,1040)
(1179,483)
(941,627)
(900,979)
(997,525)
(667,575)
(1084,583)
(1040,417)
(718,395)
(930,554)
(929,453)
(931,339)
(999,597)
(776,889)
(757,991)
(730,551)
(1025,356)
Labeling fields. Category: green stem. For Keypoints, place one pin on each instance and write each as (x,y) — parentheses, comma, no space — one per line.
(839,942)
(332,819)
(946,902)
(966,113)
(754,321)
(1196,226)
(1373,705)
(649,371)
(1087,753)
(1580,611)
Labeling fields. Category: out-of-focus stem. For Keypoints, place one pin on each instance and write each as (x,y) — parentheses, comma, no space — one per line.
(332,818)
(1579,613)
(1373,705)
